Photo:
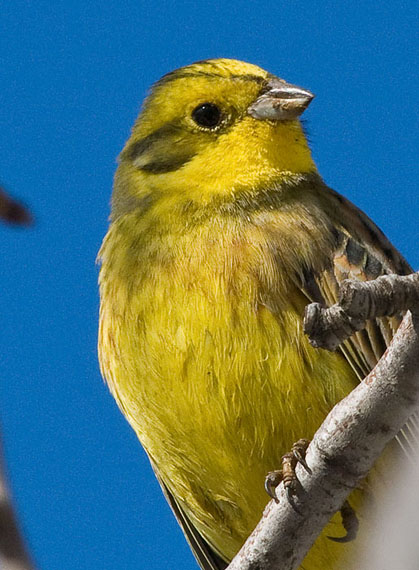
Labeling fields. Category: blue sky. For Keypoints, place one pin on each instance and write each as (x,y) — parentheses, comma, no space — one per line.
(72,77)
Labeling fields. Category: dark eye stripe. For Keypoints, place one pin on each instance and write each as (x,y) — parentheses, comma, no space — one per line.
(167,164)
(136,149)
(155,153)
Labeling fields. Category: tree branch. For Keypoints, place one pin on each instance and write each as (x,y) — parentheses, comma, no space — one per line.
(359,301)
(12,212)
(13,553)
(373,413)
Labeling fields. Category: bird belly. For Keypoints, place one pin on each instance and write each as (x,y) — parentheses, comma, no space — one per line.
(218,387)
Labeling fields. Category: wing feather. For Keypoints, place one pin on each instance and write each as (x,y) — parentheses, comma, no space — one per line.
(364,253)
(206,557)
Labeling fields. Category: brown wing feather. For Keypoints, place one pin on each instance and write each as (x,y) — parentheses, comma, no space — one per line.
(206,557)
(364,253)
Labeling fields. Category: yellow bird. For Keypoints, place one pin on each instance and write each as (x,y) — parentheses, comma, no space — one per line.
(221,232)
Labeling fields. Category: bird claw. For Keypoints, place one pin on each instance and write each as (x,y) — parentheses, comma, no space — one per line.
(289,478)
(287,473)
(350,524)
(272,480)
(299,450)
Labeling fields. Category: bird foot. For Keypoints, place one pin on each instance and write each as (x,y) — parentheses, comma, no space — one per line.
(288,476)
(350,524)
(287,473)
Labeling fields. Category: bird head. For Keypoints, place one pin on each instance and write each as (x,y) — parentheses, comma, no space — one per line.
(214,128)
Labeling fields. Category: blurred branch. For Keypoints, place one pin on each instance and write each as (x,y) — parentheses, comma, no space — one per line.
(13,212)
(13,554)
(373,413)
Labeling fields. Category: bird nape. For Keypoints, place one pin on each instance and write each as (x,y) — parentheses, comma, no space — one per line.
(221,232)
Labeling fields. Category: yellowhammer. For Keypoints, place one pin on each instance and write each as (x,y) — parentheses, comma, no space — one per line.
(221,232)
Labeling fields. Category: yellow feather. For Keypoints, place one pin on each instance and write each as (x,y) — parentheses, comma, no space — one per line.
(201,338)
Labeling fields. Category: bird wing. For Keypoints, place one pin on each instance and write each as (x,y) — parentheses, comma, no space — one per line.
(206,557)
(362,253)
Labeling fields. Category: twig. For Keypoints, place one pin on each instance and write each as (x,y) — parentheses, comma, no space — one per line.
(358,301)
(13,553)
(373,413)
(12,211)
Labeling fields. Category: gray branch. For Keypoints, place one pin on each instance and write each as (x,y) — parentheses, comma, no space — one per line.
(13,553)
(359,301)
(373,413)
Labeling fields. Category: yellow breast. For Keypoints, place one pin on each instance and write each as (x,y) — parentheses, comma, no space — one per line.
(202,345)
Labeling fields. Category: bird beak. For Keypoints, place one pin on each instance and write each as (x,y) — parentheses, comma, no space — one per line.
(280,101)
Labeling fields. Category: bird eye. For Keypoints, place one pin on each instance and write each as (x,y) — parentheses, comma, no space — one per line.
(207,115)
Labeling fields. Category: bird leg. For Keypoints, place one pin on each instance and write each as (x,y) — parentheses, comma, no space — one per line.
(287,473)
(288,476)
